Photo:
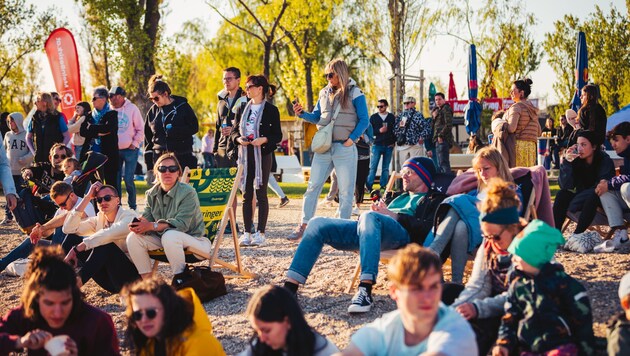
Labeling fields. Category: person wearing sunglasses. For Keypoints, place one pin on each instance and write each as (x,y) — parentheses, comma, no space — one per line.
(169,125)
(171,220)
(51,232)
(102,255)
(101,135)
(45,174)
(342,104)
(482,299)
(52,305)
(161,321)
(384,139)
(47,127)
(256,135)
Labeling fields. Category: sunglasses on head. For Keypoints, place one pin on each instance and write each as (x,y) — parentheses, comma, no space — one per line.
(59,156)
(63,205)
(329,75)
(105,197)
(150,313)
(172,169)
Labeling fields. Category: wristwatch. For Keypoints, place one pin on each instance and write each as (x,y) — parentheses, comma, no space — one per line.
(155,226)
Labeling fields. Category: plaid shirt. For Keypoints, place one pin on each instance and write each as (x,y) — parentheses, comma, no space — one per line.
(416,128)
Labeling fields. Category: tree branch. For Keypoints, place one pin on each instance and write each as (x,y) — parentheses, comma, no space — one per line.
(236,25)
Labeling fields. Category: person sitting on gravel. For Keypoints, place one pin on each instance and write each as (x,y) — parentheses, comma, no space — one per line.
(161,321)
(171,220)
(52,306)
(408,218)
(102,253)
(45,174)
(280,327)
(618,332)
(421,324)
(63,196)
(614,193)
(547,312)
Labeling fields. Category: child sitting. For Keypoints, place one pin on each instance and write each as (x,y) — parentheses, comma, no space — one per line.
(71,168)
(546,310)
(618,333)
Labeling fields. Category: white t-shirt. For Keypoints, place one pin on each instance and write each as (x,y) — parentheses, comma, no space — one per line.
(383,116)
(251,119)
(451,336)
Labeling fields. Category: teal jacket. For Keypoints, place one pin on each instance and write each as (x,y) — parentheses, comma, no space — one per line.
(179,208)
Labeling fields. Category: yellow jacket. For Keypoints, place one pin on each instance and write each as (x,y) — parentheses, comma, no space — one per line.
(196,340)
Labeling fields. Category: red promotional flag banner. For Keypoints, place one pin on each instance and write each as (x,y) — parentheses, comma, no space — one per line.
(64,64)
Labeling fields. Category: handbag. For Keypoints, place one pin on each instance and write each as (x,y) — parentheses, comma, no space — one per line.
(207,283)
(323,137)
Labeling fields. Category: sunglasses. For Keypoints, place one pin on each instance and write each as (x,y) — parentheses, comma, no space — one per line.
(251,86)
(329,75)
(380,106)
(96,98)
(63,205)
(155,98)
(105,198)
(59,156)
(409,102)
(150,313)
(495,237)
(172,169)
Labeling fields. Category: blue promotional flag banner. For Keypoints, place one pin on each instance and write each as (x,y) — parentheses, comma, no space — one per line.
(581,70)
(472,112)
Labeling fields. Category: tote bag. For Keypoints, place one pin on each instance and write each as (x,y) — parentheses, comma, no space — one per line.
(323,137)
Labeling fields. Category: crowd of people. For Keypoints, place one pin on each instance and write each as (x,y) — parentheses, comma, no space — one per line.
(518,299)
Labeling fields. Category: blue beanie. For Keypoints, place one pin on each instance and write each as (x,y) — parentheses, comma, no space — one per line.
(424,168)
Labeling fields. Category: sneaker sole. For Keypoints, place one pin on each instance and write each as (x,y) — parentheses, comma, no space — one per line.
(355,309)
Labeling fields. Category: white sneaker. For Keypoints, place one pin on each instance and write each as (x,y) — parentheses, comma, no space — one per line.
(612,244)
(245,239)
(258,239)
(356,211)
(324,203)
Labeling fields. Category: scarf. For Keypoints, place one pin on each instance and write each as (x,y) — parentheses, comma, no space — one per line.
(242,153)
(97,116)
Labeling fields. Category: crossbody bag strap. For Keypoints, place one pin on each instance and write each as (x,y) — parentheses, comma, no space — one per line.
(334,117)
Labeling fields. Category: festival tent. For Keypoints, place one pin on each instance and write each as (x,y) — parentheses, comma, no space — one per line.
(618,117)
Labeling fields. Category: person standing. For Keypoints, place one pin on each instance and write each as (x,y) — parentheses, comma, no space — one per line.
(46,128)
(410,129)
(522,119)
(81,113)
(343,101)
(225,118)
(130,136)
(384,139)
(18,154)
(442,132)
(101,134)
(564,132)
(207,145)
(591,114)
(170,124)
(257,134)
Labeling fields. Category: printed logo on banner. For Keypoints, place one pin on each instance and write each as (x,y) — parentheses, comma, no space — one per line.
(67,99)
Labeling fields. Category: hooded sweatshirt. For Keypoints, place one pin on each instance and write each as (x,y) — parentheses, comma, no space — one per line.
(15,142)
(522,119)
(130,126)
(171,127)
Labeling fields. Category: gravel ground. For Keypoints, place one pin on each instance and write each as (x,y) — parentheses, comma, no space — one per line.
(323,298)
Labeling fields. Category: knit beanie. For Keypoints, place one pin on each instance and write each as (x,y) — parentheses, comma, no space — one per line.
(537,243)
(424,168)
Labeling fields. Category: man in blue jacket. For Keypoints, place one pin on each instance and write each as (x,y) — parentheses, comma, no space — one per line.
(384,139)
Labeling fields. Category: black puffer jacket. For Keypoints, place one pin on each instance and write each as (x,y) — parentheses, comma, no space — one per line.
(178,137)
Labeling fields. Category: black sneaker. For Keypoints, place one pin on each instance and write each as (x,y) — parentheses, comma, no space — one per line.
(361,302)
(284,201)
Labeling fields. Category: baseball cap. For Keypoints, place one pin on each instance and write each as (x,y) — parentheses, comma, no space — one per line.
(117,91)
(409,99)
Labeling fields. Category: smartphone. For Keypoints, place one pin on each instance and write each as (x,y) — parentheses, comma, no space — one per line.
(135,220)
(295,101)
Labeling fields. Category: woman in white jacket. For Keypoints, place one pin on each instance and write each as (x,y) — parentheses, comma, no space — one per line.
(103,254)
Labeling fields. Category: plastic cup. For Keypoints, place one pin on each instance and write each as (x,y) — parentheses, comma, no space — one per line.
(57,346)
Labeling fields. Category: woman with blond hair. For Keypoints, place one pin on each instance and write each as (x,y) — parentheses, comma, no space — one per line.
(342,104)
(46,128)
(457,219)
(161,321)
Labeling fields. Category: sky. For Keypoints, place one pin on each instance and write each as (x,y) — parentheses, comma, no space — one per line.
(438,59)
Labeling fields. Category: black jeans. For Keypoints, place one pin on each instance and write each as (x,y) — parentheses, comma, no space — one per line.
(108,266)
(261,193)
(363,169)
(586,202)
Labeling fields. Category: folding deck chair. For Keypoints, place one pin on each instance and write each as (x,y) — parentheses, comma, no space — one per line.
(216,189)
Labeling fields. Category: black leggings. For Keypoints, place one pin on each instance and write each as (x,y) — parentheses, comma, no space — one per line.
(108,266)
(363,169)
(261,193)
(586,202)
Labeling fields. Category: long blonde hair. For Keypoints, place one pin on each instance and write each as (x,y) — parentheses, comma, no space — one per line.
(340,68)
(495,158)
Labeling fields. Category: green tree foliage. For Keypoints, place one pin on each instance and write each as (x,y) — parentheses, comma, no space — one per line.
(607,38)
(23,30)
(501,31)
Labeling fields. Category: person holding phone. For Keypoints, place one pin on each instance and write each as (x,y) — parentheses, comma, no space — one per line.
(343,101)
(103,254)
(256,135)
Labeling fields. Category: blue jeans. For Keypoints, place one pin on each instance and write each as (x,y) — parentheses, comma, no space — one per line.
(129,158)
(344,160)
(373,233)
(24,249)
(443,157)
(377,152)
